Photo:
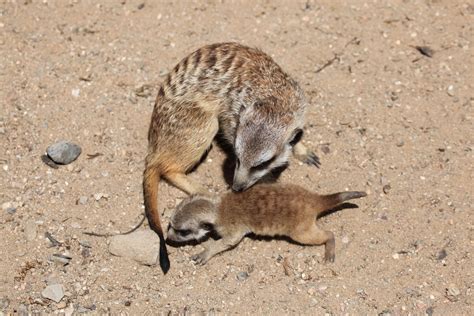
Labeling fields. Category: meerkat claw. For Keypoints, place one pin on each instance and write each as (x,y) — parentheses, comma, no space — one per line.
(312,159)
(198,258)
(330,258)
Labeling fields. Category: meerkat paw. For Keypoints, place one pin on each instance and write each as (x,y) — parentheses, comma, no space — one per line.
(329,257)
(200,258)
(305,155)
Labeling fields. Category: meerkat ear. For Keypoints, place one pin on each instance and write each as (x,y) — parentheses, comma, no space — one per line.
(296,137)
(206,226)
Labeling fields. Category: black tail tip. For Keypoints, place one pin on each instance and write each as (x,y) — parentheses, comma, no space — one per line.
(164,260)
(164,264)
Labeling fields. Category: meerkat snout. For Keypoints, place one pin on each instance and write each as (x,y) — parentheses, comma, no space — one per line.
(260,149)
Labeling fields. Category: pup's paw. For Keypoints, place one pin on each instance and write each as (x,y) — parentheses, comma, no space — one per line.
(200,258)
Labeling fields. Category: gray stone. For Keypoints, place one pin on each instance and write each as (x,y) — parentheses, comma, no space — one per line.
(141,246)
(63,152)
(54,292)
(242,276)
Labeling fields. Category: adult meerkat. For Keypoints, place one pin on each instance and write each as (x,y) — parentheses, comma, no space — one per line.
(228,88)
(267,209)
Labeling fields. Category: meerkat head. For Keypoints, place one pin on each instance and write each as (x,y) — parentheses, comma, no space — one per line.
(263,142)
(193,219)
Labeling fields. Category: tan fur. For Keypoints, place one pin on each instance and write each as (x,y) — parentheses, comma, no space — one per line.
(267,209)
(228,88)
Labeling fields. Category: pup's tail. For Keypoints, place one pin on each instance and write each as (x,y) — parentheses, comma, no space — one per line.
(332,200)
(151,179)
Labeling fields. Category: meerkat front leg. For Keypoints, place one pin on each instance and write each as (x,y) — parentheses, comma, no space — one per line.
(302,153)
(185,183)
(214,247)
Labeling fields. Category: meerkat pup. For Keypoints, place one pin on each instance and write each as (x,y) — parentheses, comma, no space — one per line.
(237,91)
(267,210)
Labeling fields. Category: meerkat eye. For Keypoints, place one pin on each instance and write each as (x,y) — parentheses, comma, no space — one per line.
(263,165)
(206,226)
(183,232)
(296,137)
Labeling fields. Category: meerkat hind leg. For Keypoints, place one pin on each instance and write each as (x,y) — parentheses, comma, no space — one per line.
(316,236)
(302,153)
(214,247)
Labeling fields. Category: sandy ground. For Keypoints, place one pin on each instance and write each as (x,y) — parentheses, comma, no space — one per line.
(383,118)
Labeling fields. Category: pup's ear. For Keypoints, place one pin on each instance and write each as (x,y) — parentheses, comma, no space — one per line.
(206,226)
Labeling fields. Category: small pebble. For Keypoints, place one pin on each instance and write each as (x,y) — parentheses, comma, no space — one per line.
(345,240)
(305,276)
(7,205)
(242,276)
(4,303)
(82,200)
(85,243)
(441,254)
(30,230)
(396,256)
(325,149)
(450,91)
(386,188)
(452,293)
(54,292)
(75,225)
(99,196)
(76,92)
(63,152)
(429,311)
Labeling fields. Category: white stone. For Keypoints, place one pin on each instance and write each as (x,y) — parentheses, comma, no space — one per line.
(142,246)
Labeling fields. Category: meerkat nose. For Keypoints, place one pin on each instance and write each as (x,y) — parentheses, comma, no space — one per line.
(238,187)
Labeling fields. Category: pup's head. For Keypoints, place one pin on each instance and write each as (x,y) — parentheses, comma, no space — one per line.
(263,142)
(193,219)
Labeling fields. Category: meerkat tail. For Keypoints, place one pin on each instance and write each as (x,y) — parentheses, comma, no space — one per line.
(333,200)
(151,179)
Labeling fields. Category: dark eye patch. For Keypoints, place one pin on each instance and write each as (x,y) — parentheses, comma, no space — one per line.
(263,165)
(183,232)
(296,137)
